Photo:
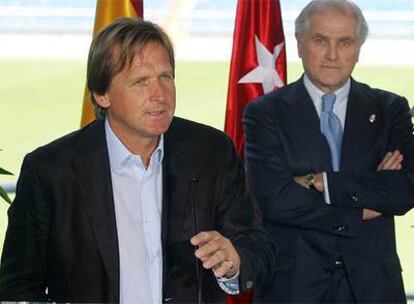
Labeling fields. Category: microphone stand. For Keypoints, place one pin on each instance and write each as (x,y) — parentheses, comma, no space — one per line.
(196,231)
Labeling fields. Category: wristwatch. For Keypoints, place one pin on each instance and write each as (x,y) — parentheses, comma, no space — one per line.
(309,181)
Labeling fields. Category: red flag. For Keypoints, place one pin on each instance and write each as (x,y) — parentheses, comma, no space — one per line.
(258,61)
(107,11)
(258,66)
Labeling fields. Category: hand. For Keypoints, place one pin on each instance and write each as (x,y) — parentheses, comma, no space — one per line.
(300,180)
(317,181)
(217,253)
(391,161)
(368,214)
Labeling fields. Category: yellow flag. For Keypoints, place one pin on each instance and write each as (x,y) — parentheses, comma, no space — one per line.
(106,11)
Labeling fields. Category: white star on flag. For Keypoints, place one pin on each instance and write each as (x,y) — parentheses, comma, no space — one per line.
(265,73)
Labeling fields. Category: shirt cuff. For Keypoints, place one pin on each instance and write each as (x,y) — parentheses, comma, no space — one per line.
(231,285)
(326,188)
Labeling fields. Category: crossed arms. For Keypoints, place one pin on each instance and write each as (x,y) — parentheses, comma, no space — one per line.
(391,161)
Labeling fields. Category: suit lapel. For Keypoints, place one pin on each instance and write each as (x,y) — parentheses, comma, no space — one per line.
(92,170)
(360,127)
(177,176)
(302,118)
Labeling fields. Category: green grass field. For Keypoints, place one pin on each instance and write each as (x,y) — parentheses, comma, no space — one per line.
(40,100)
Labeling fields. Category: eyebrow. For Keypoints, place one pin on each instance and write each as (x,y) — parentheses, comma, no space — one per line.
(134,80)
(347,38)
(318,35)
(342,38)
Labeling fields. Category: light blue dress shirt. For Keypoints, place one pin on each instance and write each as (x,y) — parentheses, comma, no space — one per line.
(339,109)
(138,198)
(138,201)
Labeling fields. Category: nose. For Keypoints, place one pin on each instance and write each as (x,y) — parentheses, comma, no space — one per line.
(157,91)
(331,52)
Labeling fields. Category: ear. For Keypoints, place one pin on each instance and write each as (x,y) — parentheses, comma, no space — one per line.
(299,44)
(102,100)
(359,52)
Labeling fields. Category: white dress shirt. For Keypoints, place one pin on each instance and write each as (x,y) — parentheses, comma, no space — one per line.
(341,101)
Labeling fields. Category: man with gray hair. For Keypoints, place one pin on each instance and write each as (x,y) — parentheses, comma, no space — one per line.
(330,161)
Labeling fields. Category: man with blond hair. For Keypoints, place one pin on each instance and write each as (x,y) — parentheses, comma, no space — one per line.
(138,206)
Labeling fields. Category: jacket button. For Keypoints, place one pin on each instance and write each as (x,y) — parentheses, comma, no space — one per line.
(249,284)
(353,196)
(340,228)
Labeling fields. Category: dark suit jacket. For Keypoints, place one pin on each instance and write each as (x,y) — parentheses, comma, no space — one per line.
(283,140)
(62,231)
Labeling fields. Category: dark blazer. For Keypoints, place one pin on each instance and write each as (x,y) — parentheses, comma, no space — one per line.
(283,140)
(62,231)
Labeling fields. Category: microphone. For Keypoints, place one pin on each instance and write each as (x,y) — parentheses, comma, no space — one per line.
(194,182)
(196,231)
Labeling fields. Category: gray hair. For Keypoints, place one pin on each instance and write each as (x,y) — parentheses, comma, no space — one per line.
(344,6)
(126,34)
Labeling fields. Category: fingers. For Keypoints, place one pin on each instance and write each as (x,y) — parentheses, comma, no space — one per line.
(224,269)
(215,260)
(212,248)
(206,243)
(394,161)
(391,161)
(368,214)
(317,181)
(210,254)
(217,253)
(301,181)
